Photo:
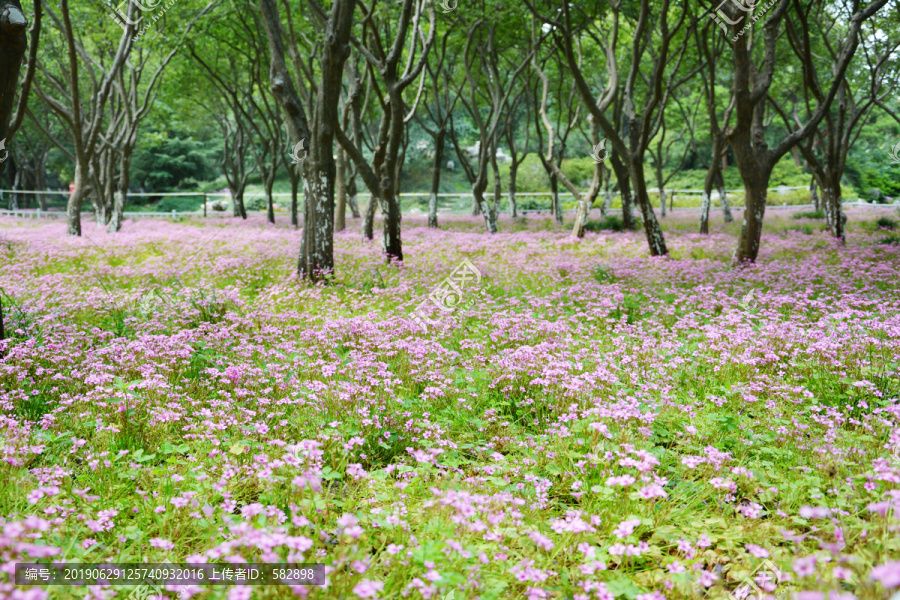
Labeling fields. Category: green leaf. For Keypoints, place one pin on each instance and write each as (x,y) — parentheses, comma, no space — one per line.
(623,587)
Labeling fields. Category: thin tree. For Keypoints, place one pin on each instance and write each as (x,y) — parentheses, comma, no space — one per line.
(317,247)
(439,111)
(13,44)
(751,89)
(641,112)
(483,56)
(842,125)
(712,45)
(384,56)
(83,112)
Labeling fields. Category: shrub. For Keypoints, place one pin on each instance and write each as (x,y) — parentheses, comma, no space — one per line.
(891,239)
(180,204)
(810,214)
(610,223)
(886,223)
(255,203)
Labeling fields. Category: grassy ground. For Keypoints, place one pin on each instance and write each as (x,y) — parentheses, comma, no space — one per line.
(596,424)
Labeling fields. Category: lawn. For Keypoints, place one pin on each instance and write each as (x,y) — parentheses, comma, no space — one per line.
(591,424)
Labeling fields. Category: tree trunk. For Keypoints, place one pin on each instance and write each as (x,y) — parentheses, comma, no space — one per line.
(76,199)
(624,179)
(317,248)
(498,189)
(607,200)
(655,239)
(726,206)
(17,185)
(513,175)
(115,223)
(554,196)
(586,202)
(834,213)
(661,184)
(391,229)
(814,194)
(237,199)
(340,219)
(704,213)
(581,217)
(369,218)
(295,184)
(270,200)
(98,197)
(755,193)
(490,221)
(351,195)
(436,178)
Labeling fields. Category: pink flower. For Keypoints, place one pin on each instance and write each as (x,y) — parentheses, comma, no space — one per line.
(625,528)
(675,567)
(355,531)
(617,549)
(815,512)
(707,578)
(367,588)
(347,520)
(536,594)
(654,490)
(161,543)
(541,540)
(622,480)
(757,551)
(806,566)
(394,549)
(888,574)
(841,573)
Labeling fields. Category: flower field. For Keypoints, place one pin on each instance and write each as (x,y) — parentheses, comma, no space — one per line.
(591,423)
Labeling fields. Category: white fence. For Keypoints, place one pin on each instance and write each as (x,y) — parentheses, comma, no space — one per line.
(38,213)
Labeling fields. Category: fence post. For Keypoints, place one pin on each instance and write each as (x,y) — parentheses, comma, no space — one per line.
(173,214)
(204,205)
